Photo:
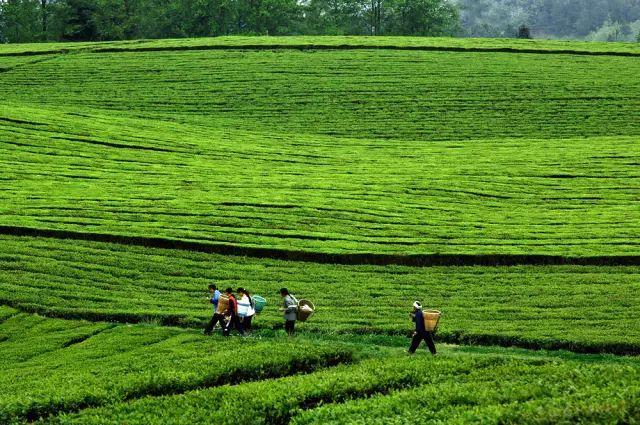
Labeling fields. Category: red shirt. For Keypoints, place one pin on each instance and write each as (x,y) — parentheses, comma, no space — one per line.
(233,305)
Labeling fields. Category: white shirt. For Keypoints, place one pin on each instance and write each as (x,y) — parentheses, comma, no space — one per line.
(244,307)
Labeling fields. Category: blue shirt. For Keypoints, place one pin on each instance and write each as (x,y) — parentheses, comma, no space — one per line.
(214,300)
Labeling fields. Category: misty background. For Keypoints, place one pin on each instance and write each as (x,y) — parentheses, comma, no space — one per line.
(97,20)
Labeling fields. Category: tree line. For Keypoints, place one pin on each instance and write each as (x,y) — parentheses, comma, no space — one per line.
(98,20)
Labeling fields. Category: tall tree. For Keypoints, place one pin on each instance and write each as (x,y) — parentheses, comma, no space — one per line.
(44,12)
(376,17)
(20,20)
(80,20)
(425,18)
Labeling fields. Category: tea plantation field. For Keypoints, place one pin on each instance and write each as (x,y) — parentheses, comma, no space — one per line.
(582,308)
(495,180)
(571,197)
(150,374)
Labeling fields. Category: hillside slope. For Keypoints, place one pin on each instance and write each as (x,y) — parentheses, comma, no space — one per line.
(134,174)
(344,151)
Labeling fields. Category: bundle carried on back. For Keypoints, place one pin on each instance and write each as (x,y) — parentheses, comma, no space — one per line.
(431,320)
(223,304)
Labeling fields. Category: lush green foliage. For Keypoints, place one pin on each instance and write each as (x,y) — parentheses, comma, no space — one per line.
(51,365)
(582,308)
(323,147)
(40,20)
(455,387)
(408,95)
(140,177)
(270,119)
(37,20)
(6,312)
(326,42)
(514,393)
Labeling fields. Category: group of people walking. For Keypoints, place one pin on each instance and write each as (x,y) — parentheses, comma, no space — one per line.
(230,312)
(237,311)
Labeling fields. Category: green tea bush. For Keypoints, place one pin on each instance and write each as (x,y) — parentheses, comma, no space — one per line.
(109,364)
(588,309)
(275,401)
(327,42)
(134,174)
(336,200)
(398,389)
(512,394)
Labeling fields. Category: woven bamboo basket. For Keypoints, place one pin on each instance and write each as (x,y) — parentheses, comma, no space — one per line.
(303,313)
(431,319)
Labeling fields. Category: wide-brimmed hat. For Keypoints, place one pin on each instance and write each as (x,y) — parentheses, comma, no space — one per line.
(417,305)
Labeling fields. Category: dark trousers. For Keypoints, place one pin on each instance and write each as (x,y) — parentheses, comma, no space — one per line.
(234,322)
(289,326)
(217,318)
(246,324)
(418,338)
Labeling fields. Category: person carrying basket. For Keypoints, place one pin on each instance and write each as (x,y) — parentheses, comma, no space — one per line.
(290,304)
(421,333)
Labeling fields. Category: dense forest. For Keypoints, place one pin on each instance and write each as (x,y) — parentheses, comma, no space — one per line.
(53,20)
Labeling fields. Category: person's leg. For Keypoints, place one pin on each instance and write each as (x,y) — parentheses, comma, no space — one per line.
(240,324)
(219,320)
(247,323)
(428,338)
(415,343)
(229,326)
(223,322)
(289,326)
(211,324)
